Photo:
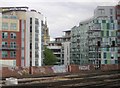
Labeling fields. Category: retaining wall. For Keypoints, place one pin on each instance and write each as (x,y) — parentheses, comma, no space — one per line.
(22,71)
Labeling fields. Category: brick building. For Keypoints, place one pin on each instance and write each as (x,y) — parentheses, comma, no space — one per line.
(20,43)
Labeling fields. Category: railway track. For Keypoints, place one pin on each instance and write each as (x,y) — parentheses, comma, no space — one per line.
(84,80)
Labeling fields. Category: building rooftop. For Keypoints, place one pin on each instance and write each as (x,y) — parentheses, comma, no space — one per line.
(25,7)
(9,9)
(67,30)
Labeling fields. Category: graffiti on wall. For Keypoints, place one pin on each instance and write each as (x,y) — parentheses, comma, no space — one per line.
(59,69)
(20,71)
(40,70)
(84,67)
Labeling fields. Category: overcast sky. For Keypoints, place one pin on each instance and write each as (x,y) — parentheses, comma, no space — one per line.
(61,14)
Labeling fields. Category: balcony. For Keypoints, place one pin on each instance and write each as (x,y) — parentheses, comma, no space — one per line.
(37,31)
(8,47)
(36,39)
(36,47)
(54,47)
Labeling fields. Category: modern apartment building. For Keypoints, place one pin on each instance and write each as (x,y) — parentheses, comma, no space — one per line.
(108,27)
(66,44)
(95,41)
(21,37)
(118,32)
(61,48)
(79,44)
(56,46)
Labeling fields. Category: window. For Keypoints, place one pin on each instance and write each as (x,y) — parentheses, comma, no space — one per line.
(113,44)
(111,18)
(4,54)
(30,20)
(4,44)
(107,33)
(108,26)
(112,26)
(105,55)
(13,36)
(13,26)
(112,48)
(102,33)
(12,54)
(36,21)
(105,61)
(4,35)
(116,61)
(5,26)
(101,11)
(30,45)
(13,44)
(111,11)
(31,28)
(107,48)
(103,21)
(99,55)
(4,16)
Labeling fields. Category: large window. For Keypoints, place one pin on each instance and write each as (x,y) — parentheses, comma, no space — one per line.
(36,21)
(13,26)
(108,26)
(101,11)
(102,33)
(13,36)
(30,20)
(12,54)
(4,44)
(13,44)
(105,61)
(111,11)
(105,55)
(5,26)
(4,54)
(107,33)
(4,35)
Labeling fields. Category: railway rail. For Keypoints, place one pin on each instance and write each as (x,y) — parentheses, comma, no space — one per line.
(79,80)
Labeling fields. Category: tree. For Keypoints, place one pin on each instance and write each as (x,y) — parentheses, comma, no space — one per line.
(49,57)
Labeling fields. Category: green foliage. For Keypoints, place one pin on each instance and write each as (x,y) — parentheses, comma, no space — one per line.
(49,57)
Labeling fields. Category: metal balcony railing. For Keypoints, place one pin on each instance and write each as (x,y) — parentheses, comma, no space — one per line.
(8,47)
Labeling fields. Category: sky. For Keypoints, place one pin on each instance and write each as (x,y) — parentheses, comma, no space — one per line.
(61,14)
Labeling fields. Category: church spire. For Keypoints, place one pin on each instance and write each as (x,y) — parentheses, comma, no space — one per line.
(45,21)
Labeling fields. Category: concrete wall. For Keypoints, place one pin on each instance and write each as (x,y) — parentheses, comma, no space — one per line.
(108,67)
(105,12)
(66,46)
(34,15)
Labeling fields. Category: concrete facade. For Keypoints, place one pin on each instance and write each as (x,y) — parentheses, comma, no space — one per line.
(66,54)
(56,47)
(61,48)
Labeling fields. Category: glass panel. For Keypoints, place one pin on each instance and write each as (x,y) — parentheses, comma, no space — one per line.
(13,26)
(4,54)
(5,26)
(12,54)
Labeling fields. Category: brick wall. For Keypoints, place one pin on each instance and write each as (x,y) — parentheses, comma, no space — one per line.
(108,67)
(23,71)
(14,71)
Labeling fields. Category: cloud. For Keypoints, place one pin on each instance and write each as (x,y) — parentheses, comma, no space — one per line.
(61,14)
